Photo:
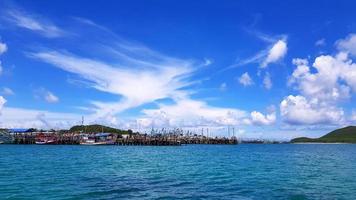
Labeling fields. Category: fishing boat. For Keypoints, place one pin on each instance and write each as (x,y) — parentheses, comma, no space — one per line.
(98,139)
(42,138)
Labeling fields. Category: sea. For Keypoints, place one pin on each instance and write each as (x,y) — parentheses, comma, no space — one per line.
(246,171)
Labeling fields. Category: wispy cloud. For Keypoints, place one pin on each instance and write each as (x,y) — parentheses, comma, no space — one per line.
(134,73)
(321,42)
(3,49)
(136,81)
(223,87)
(7,91)
(275,51)
(267,82)
(46,95)
(50,97)
(39,24)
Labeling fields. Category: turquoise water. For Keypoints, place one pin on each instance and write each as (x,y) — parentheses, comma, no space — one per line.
(187,172)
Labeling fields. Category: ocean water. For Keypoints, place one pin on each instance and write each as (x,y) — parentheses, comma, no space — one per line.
(247,171)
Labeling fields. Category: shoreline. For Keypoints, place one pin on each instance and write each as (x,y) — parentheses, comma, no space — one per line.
(321,143)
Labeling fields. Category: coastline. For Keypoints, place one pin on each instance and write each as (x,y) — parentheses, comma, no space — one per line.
(321,143)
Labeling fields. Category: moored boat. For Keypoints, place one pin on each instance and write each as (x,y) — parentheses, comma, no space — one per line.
(98,139)
(42,138)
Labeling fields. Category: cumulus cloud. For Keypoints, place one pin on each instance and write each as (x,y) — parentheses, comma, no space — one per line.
(267,82)
(36,23)
(3,47)
(276,53)
(245,79)
(188,113)
(348,44)
(322,86)
(191,113)
(258,118)
(298,110)
(331,78)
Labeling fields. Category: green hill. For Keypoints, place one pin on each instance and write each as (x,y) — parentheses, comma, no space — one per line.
(95,128)
(342,135)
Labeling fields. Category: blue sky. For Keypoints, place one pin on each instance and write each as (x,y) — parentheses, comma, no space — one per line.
(267,69)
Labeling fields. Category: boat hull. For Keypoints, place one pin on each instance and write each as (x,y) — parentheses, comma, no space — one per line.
(44,142)
(97,143)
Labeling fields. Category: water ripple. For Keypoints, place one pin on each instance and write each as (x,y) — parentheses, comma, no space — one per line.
(186,172)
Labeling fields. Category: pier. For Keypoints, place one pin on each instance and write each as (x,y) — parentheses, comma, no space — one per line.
(125,140)
(103,135)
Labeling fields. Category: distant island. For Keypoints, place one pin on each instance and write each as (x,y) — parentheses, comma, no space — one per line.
(99,128)
(342,135)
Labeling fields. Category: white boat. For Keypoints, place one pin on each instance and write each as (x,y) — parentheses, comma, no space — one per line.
(98,139)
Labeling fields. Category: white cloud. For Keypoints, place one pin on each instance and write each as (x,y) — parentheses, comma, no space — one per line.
(245,79)
(188,113)
(320,42)
(45,95)
(298,110)
(322,86)
(272,54)
(353,116)
(50,97)
(2,103)
(300,61)
(191,113)
(140,76)
(223,87)
(333,79)
(34,23)
(348,44)
(267,82)
(276,53)
(258,118)
(3,48)
(27,118)
(7,91)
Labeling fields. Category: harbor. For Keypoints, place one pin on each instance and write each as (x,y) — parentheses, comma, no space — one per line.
(109,136)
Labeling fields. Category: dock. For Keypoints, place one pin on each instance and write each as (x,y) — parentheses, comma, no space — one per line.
(124,140)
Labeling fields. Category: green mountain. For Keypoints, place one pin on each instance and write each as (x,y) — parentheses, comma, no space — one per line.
(95,128)
(342,135)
